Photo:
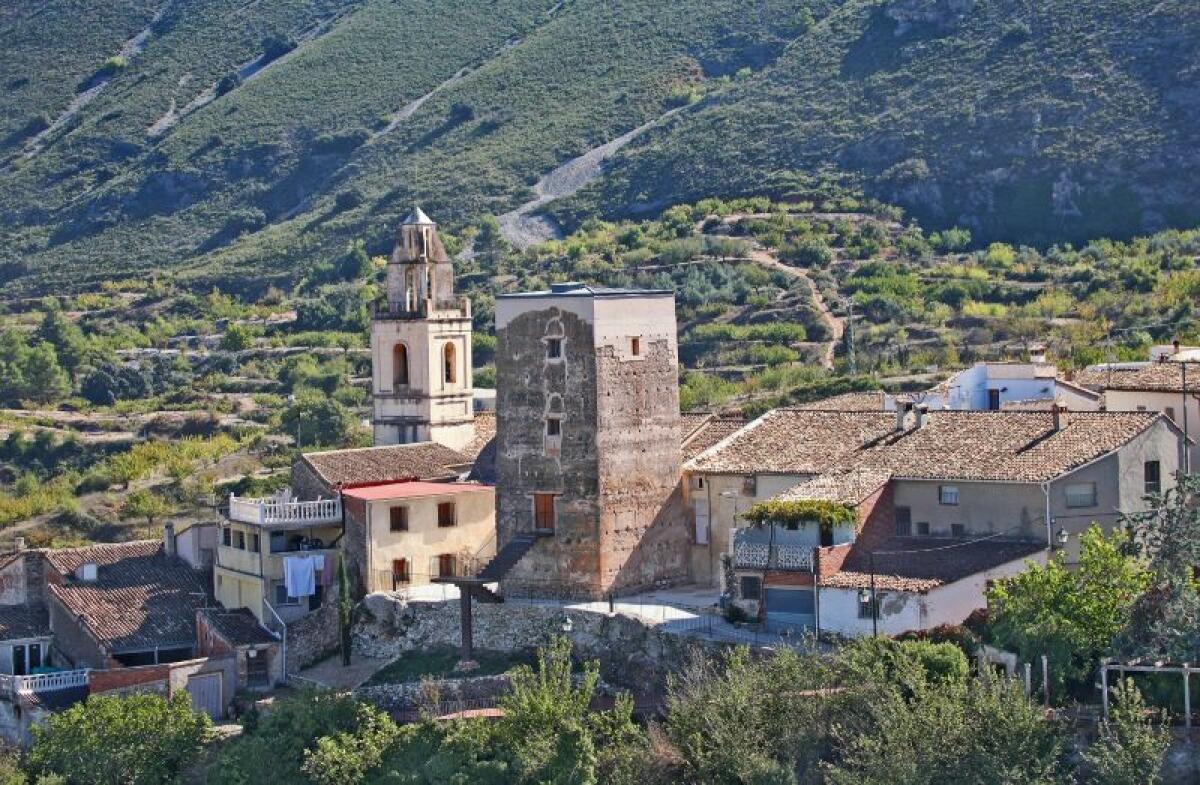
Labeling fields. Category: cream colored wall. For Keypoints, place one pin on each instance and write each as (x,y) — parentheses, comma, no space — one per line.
(235,590)
(1133,401)
(425,540)
(984,508)
(723,512)
(238,574)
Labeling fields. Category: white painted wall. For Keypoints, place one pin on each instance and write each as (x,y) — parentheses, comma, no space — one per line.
(905,611)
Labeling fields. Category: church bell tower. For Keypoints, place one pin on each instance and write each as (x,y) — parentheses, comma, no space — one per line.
(421,345)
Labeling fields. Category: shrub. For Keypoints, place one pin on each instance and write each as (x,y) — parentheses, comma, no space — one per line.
(1131,746)
(135,740)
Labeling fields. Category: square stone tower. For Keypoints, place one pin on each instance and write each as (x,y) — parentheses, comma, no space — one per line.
(421,386)
(588,455)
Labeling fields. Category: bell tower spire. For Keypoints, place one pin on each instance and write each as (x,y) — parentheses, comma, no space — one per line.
(421,344)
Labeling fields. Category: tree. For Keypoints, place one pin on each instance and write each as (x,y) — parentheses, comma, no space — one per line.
(134,740)
(344,612)
(317,420)
(1165,622)
(1131,746)
(490,243)
(1071,616)
(237,338)
(65,336)
(44,379)
(144,503)
(355,263)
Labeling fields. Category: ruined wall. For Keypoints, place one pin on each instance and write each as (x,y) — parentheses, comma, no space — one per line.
(306,484)
(313,637)
(529,385)
(633,654)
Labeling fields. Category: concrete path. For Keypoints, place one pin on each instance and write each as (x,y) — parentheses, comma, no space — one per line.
(331,673)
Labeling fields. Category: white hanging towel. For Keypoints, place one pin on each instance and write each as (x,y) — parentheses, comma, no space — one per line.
(299,576)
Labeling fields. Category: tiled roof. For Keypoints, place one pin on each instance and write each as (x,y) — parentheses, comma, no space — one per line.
(413,489)
(871,401)
(705,434)
(1154,377)
(370,465)
(238,626)
(961,445)
(141,597)
(795,441)
(846,487)
(485,431)
(918,564)
(22,621)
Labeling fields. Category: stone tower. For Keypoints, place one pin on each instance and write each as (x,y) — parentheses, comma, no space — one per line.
(588,455)
(421,345)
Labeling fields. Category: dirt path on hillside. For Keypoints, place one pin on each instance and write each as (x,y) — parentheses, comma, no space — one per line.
(836,325)
(523,229)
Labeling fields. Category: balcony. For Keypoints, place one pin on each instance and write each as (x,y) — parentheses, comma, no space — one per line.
(384,309)
(777,558)
(284,512)
(13,686)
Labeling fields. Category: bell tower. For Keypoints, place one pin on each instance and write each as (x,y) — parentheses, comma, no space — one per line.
(421,345)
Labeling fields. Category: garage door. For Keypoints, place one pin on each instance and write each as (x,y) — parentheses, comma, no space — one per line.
(205,690)
(792,609)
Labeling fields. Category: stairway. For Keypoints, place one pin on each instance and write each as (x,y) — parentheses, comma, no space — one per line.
(484,594)
(507,557)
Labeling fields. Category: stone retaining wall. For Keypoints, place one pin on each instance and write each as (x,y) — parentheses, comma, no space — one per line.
(633,654)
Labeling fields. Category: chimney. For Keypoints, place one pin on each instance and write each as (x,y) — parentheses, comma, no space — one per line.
(169,546)
(902,410)
(1059,413)
(922,414)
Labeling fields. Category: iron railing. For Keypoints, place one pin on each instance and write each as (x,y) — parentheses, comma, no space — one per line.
(268,511)
(784,558)
(43,682)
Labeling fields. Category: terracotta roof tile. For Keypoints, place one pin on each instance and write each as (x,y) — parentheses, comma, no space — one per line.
(962,445)
(370,465)
(141,597)
(707,433)
(237,626)
(847,487)
(1153,377)
(23,621)
(485,431)
(870,401)
(918,564)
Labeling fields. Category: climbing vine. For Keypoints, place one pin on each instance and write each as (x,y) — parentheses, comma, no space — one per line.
(792,513)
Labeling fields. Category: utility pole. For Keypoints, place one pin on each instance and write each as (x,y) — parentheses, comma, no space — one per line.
(851,360)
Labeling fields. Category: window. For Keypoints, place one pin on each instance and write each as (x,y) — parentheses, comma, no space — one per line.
(958,530)
(400,572)
(446,516)
(868,607)
(400,365)
(227,537)
(451,367)
(750,486)
(553,348)
(751,587)
(903,522)
(923,528)
(445,565)
(1152,473)
(553,426)
(543,512)
(1081,494)
(239,540)
(700,482)
(948,494)
(635,346)
(398,519)
(255,543)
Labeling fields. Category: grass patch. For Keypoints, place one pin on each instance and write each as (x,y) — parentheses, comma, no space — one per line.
(440,663)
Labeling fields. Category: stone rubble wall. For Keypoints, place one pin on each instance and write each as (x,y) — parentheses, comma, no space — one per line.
(632,653)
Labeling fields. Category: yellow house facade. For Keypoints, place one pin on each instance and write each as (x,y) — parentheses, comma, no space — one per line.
(405,534)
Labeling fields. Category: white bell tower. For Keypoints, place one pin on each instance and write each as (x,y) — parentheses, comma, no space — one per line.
(421,345)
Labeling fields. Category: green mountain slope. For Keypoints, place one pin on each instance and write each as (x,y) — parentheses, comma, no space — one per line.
(243,140)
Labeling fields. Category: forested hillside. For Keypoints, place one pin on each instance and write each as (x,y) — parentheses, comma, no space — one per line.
(242,141)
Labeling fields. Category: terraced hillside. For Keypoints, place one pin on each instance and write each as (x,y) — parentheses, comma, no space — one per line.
(241,141)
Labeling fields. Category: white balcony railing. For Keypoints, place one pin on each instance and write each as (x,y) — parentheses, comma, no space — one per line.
(760,556)
(283,510)
(43,682)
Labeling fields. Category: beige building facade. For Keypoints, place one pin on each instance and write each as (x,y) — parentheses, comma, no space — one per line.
(403,535)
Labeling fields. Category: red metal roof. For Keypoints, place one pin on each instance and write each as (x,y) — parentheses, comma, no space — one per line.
(408,490)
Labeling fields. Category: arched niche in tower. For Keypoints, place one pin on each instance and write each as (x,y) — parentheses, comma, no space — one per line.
(399,365)
(449,363)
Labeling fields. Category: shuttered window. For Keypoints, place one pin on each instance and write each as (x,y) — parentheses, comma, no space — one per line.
(543,511)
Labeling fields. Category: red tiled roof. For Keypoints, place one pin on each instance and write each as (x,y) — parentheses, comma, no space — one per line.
(1153,377)
(869,401)
(704,434)
(919,564)
(141,597)
(962,445)
(410,490)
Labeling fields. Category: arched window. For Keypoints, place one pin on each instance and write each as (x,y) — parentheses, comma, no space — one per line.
(399,365)
(451,367)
